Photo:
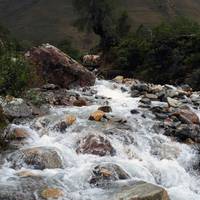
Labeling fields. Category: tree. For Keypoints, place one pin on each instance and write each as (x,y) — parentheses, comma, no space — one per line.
(98,16)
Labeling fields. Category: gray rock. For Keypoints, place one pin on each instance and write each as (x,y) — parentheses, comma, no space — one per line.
(105,173)
(36,158)
(142,191)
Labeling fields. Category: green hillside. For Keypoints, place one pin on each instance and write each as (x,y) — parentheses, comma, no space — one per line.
(50,20)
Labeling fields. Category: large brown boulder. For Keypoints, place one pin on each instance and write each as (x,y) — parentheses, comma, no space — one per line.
(96,145)
(56,67)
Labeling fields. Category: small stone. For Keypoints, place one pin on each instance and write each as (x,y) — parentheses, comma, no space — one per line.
(105,109)
(26,174)
(146,101)
(173,102)
(80,103)
(20,133)
(134,111)
(118,79)
(70,120)
(97,116)
(52,193)
(152,97)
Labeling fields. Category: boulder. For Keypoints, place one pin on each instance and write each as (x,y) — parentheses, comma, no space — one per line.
(96,145)
(22,188)
(97,116)
(142,191)
(107,172)
(105,109)
(187,116)
(80,103)
(118,79)
(188,131)
(52,193)
(36,158)
(173,102)
(57,68)
(17,108)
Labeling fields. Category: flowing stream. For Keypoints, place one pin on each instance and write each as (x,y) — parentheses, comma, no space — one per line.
(142,153)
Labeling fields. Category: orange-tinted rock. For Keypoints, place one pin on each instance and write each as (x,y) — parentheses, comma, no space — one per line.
(52,193)
(97,116)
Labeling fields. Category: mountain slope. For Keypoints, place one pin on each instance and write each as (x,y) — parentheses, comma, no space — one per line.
(50,20)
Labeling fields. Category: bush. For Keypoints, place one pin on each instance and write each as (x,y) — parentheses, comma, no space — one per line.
(14,74)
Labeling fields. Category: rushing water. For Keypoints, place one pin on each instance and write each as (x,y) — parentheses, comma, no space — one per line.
(152,157)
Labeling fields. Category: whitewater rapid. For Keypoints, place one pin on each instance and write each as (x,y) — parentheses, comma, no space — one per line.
(152,157)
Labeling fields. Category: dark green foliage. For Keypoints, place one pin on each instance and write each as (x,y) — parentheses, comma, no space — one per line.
(98,16)
(168,53)
(14,74)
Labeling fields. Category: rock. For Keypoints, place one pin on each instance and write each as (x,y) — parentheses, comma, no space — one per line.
(24,188)
(36,158)
(57,68)
(70,120)
(187,116)
(97,116)
(107,172)
(142,191)
(145,101)
(105,109)
(152,97)
(173,102)
(18,134)
(141,87)
(17,108)
(96,145)
(118,79)
(80,103)
(134,111)
(50,87)
(52,193)
(188,131)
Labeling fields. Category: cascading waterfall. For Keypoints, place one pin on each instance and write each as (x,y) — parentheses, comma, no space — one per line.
(141,152)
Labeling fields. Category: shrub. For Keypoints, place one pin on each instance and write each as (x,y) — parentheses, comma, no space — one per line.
(14,74)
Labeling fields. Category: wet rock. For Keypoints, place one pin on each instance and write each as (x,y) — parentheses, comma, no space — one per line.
(96,145)
(36,158)
(63,125)
(52,193)
(70,120)
(58,68)
(97,116)
(50,86)
(146,101)
(105,109)
(187,116)
(17,134)
(105,173)
(141,87)
(173,102)
(142,191)
(21,189)
(118,79)
(17,108)
(134,111)
(186,131)
(80,103)
(152,97)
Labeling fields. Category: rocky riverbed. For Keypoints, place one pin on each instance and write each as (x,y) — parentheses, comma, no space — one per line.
(121,139)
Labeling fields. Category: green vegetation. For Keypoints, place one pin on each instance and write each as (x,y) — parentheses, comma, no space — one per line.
(14,70)
(167,53)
